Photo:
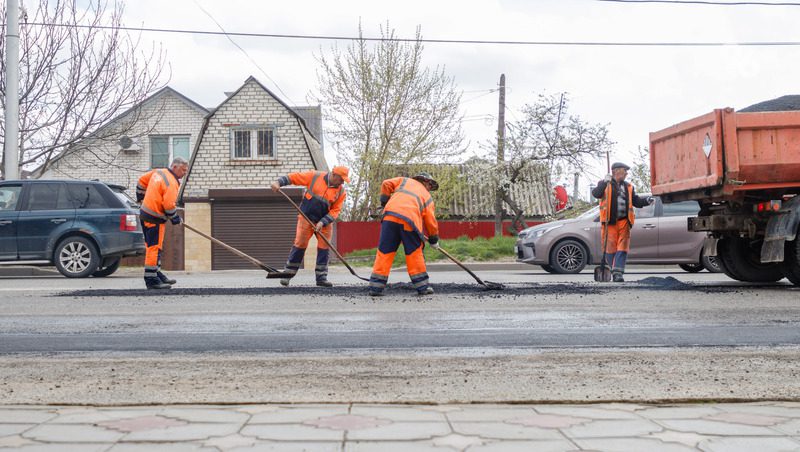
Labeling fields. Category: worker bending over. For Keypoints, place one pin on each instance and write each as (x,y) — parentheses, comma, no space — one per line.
(322,203)
(617,200)
(407,209)
(157,192)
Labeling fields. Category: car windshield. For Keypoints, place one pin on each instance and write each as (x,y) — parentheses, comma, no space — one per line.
(591,213)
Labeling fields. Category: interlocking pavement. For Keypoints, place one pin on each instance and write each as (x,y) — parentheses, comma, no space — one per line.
(747,427)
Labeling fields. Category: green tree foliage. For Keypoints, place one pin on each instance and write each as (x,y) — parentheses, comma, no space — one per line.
(639,174)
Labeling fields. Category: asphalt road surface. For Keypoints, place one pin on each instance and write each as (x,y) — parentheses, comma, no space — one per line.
(231,320)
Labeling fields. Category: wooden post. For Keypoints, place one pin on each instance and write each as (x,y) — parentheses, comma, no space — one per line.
(501,138)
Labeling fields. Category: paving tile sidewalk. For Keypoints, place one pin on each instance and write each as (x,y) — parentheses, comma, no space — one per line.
(762,426)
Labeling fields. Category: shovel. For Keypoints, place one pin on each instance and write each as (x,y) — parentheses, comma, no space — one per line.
(324,239)
(603,273)
(488,284)
(271,272)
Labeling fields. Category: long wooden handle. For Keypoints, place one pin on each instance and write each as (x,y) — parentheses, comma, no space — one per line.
(322,236)
(232,249)
(464,267)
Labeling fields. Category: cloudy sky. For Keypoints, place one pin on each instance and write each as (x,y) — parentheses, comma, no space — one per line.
(635,90)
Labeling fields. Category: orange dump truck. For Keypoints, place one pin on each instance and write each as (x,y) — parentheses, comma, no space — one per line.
(744,170)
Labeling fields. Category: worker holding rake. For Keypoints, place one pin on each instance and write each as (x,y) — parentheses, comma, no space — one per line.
(322,202)
(408,209)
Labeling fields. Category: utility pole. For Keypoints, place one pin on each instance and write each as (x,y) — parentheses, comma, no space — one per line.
(11,148)
(501,140)
(575,191)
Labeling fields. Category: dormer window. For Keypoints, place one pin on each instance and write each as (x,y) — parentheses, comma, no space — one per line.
(253,143)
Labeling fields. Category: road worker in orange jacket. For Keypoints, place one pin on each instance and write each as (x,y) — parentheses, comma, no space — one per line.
(408,213)
(157,191)
(617,200)
(322,203)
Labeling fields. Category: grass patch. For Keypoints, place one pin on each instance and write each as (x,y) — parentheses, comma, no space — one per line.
(463,248)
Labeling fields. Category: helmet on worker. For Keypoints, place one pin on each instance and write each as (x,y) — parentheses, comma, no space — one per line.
(428,180)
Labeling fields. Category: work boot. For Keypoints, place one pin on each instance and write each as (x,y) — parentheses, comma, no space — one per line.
(375,294)
(617,277)
(324,283)
(165,279)
(426,291)
(285,282)
(155,283)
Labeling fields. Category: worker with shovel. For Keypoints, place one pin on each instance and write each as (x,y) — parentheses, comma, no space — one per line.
(322,203)
(617,200)
(157,192)
(407,209)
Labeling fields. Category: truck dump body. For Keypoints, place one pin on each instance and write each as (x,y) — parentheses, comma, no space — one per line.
(725,155)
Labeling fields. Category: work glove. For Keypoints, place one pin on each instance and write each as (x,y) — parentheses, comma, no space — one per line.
(176,219)
(434,241)
(607,178)
(436,246)
(139,197)
(650,200)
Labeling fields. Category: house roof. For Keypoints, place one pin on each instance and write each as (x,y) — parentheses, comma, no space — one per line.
(316,153)
(160,93)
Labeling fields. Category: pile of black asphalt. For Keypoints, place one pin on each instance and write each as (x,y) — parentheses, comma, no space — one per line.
(784,103)
(405,290)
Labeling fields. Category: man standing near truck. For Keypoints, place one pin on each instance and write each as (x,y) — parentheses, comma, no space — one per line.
(617,200)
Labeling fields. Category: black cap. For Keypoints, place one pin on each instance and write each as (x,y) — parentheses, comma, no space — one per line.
(620,165)
(423,176)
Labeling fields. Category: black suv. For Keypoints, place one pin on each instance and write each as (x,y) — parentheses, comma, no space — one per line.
(84,228)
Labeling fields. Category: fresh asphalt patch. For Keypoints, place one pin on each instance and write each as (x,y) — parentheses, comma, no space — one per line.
(465,290)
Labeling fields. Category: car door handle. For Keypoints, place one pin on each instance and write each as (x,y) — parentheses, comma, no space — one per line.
(649,226)
(5,222)
(58,220)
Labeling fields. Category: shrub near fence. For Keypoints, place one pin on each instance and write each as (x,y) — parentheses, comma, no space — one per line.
(359,235)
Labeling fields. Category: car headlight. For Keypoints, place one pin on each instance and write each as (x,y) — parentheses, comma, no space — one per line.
(540,232)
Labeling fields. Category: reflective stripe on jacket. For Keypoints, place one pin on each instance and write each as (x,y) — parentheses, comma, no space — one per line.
(320,202)
(410,201)
(160,195)
(606,204)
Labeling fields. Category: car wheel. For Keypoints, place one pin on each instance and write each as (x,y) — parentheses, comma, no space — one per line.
(741,261)
(76,257)
(102,272)
(692,268)
(548,269)
(791,261)
(568,256)
(711,263)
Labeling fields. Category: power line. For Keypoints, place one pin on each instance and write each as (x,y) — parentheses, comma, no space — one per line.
(438,41)
(704,2)
(227,35)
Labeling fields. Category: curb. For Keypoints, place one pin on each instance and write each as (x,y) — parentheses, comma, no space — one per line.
(17,271)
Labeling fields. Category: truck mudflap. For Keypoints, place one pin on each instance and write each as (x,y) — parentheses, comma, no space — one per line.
(780,229)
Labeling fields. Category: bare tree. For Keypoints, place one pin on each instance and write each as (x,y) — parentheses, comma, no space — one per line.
(77,72)
(547,138)
(386,108)
(640,171)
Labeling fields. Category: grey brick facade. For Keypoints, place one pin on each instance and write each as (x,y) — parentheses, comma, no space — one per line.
(252,105)
(165,113)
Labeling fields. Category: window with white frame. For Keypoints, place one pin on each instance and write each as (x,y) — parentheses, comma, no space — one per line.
(253,143)
(164,148)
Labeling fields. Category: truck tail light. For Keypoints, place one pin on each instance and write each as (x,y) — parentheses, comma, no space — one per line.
(128,222)
(768,206)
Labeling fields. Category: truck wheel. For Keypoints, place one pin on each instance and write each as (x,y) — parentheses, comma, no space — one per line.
(791,261)
(568,256)
(741,261)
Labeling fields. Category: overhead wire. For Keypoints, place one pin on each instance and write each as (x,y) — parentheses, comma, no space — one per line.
(438,41)
(705,2)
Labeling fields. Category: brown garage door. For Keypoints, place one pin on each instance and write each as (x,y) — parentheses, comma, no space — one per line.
(261,226)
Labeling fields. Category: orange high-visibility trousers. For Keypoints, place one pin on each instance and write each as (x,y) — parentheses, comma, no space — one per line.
(154,241)
(618,244)
(302,235)
(393,232)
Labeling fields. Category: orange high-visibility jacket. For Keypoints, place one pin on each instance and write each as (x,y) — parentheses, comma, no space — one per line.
(410,201)
(160,188)
(608,201)
(320,202)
